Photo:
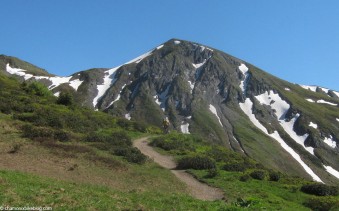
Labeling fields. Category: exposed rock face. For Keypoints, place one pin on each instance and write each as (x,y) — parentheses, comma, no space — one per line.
(202,88)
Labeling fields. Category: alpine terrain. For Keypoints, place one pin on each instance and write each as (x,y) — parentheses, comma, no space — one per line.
(287,127)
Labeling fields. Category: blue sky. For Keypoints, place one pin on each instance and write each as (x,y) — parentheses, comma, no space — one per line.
(296,40)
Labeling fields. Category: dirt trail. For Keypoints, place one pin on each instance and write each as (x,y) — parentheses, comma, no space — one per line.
(197,189)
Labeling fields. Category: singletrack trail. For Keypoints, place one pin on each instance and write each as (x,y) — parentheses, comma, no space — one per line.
(197,189)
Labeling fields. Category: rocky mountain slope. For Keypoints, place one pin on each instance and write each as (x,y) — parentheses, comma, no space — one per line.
(203,91)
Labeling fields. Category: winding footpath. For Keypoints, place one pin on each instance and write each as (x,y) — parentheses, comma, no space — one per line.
(196,188)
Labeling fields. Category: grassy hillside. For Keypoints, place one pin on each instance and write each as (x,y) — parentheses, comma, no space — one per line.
(246,183)
(17,63)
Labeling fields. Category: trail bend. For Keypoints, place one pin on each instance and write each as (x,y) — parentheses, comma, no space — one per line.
(196,188)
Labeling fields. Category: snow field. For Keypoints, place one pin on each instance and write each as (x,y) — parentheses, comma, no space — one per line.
(56,80)
(184,128)
(281,107)
(247,108)
(109,79)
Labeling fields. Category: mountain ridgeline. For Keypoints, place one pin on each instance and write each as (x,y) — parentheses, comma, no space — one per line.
(203,91)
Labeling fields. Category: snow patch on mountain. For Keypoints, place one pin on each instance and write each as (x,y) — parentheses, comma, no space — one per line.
(177,42)
(18,71)
(139,58)
(191,86)
(315,126)
(57,94)
(287,89)
(109,79)
(56,80)
(326,102)
(310,100)
(239,144)
(243,83)
(128,116)
(332,171)
(214,111)
(281,107)
(184,128)
(337,119)
(196,66)
(75,84)
(321,102)
(118,97)
(159,47)
(247,109)
(243,68)
(312,88)
(330,142)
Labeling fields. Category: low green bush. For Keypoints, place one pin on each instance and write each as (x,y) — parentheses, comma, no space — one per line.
(213,172)
(65,98)
(131,154)
(322,203)
(274,176)
(135,156)
(319,189)
(196,162)
(237,167)
(244,178)
(30,131)
(258,174)
(117,138)
(62,136)
(174,142)
(36,88)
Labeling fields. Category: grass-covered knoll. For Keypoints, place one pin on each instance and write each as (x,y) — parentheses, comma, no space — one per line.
(246,183)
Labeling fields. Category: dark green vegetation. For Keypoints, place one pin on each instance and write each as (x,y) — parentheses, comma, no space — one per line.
(246,182)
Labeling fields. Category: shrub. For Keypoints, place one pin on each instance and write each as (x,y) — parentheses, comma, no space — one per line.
(62,135)
(245,178)
(237,167)
(135,156)
(212,173)
(30,131)
(37,88)
(117,138)
(258,174)
(131,154)
(65,98)
(95,137)
(196,162)
(174,142)
(122,151)
(320,189)
(322,203)
(274,176)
